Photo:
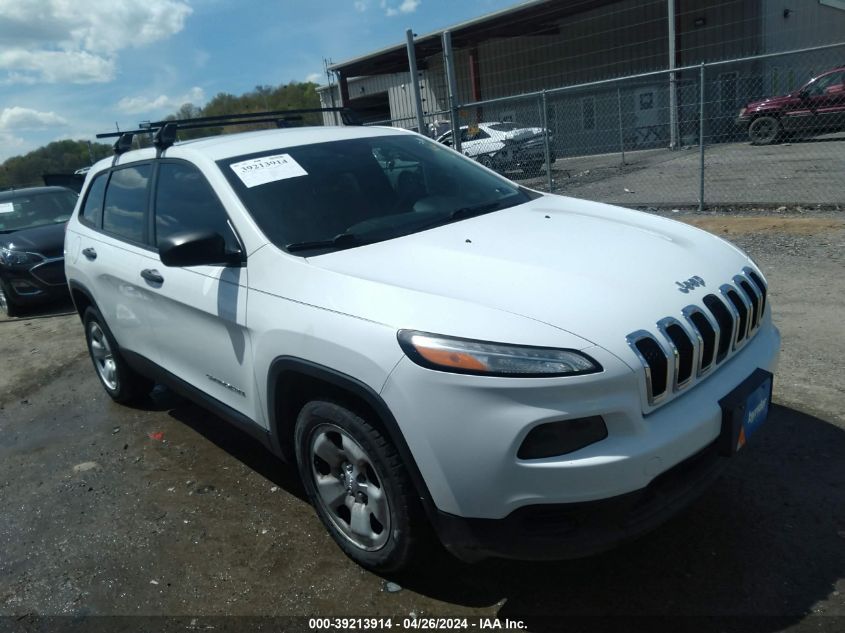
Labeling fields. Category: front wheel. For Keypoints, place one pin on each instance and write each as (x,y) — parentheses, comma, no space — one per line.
(7,301)
(764,130)
(120,381)
(355,479)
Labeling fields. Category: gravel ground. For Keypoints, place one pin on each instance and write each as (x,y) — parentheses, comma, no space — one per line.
(165,510)
(806,171)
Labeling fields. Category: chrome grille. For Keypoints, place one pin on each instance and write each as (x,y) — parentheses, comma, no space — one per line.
(683,351)
(707,332)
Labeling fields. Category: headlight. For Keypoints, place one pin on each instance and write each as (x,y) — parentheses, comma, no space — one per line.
(464,356)
(742,111)
(9,257)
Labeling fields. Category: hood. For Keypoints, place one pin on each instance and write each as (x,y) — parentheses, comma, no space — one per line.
(597,271)
(519,134)
(770,102)
(47,240)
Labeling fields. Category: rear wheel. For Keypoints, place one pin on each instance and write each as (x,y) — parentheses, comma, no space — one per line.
(764,130)
(355,479)
(121,382)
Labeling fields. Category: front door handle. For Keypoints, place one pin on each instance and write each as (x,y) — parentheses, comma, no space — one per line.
(152,275)
(90,253)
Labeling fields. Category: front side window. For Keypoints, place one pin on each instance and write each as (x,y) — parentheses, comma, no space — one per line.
(125,207)
(186,202)
(821,85)
(326,196)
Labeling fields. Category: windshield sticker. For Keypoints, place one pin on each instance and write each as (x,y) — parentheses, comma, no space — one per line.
(7,207)
(260,171)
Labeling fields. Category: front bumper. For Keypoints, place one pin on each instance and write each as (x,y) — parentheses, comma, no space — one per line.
(742,122)
(42,282)
(464,433)
(575,530)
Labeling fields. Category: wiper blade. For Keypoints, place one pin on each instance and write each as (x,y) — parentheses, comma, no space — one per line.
(467,212)
(460,214)
(342,240)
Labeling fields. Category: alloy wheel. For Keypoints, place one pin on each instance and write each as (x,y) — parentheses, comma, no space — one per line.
(103,356)
(349,489)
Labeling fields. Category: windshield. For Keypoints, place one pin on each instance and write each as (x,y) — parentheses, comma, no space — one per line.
(341,194)
(27,210)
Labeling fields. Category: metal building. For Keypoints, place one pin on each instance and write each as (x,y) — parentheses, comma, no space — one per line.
(546,44)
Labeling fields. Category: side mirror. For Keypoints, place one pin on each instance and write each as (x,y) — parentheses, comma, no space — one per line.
(196,248)
(803,94)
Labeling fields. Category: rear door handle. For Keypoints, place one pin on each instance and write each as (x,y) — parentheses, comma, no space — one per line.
(152,275)
(90,253)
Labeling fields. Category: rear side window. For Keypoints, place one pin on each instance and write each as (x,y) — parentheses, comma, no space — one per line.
(92,210)
(186,202)
(126,202)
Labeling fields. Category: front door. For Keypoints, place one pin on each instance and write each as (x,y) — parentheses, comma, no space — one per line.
(819,105)
(112,240)
(199,312)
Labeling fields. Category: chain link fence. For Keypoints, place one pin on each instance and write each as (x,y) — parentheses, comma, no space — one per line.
(758,131)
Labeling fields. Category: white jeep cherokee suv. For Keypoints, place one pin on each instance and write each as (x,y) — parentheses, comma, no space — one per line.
(530,375)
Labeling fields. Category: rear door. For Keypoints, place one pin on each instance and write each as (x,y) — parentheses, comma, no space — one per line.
(198,313)
(112,238)
(830,102)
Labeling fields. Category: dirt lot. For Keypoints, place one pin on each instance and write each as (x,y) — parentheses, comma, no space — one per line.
(164,510)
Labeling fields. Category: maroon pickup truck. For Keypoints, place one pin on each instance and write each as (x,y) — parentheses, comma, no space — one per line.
(817,107)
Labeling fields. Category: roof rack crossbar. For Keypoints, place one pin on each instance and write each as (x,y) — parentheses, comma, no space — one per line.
(348,117)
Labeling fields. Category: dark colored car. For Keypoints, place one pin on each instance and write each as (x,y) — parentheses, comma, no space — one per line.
(817,107)
(32,238)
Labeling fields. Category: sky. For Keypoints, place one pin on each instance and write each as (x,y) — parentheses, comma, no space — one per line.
(72,68)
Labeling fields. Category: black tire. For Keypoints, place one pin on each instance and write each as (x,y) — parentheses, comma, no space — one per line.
(7,303)
(121,382)
(764,130)
(326,427)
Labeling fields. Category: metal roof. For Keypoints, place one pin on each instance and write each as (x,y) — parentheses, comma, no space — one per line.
(532,17)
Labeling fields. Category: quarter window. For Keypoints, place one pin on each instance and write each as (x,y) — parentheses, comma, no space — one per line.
(186,202)
(126,202)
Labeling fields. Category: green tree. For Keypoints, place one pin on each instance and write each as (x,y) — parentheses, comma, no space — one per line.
(59,157)
(68,156)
